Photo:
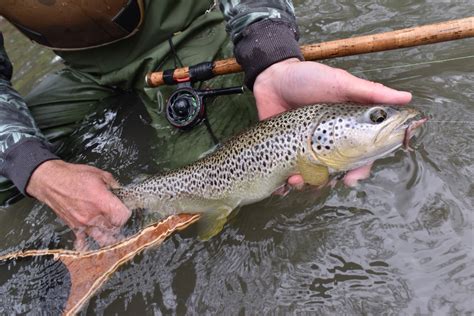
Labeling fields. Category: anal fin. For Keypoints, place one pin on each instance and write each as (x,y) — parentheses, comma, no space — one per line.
(212,222)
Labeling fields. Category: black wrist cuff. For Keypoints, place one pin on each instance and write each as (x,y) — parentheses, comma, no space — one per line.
(22,159)
(6,68)
(264,43)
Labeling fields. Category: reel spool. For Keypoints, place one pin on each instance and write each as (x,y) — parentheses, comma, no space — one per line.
(186,107)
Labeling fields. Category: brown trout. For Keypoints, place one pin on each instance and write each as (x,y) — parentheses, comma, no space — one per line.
(314,141)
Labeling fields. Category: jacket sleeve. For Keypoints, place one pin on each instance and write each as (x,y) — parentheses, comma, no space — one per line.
(264,32)
(22,146)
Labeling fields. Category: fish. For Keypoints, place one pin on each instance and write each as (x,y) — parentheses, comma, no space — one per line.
(315,141)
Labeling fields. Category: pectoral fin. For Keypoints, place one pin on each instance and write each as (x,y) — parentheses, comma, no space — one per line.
(212,222)
(312,173)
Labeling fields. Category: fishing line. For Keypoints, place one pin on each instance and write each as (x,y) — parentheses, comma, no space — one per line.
(426,63)
(416,64)
(462,122)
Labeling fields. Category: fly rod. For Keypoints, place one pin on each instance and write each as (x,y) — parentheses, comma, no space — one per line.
(409,37)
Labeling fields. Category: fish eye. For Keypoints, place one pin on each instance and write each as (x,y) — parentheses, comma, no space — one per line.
(377,115)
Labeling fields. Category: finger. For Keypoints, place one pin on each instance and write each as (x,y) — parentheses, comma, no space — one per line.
(80,244)
(116,212)
(353,176)
(296,181)
(101,221)
(363,91)
(102,237)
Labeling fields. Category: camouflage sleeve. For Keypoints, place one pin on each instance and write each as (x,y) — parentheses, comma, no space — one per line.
(264,32)
(22,146)
(241,13)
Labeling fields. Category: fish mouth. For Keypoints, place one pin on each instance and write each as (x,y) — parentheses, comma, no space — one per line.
(402,129)
(410,127)
(403,133)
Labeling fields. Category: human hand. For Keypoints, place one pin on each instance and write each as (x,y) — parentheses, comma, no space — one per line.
(79,195)
(292,83)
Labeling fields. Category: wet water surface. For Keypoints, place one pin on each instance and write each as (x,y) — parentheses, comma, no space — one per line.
(401,242)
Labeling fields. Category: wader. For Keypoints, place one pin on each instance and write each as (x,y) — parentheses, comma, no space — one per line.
(61,101)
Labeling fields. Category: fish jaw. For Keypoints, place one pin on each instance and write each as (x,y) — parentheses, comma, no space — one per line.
(395,128)
(409,132)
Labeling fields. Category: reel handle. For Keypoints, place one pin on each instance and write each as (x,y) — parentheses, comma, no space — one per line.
(221,91)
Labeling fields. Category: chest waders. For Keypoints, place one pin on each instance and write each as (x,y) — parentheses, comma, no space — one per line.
(61,101)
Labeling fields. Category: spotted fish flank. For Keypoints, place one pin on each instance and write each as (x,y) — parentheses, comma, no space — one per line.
(313,141)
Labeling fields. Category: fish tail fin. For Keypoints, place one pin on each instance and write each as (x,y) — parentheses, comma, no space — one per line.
(211,223)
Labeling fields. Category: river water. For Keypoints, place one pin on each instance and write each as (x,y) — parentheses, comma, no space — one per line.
(401,242)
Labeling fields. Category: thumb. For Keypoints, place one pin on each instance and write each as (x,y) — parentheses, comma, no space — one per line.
(333,85)
(363,91)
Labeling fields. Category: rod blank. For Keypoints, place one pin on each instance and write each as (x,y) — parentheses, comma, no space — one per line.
(409,37)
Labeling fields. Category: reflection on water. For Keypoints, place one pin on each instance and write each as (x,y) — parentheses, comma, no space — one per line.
(399,243)
(49,280)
